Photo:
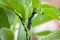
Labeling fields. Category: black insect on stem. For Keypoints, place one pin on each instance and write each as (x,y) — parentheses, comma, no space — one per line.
(29,23)
(30,19)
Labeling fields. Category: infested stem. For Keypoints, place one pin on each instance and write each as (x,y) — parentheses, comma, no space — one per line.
(29,24)
(30,19)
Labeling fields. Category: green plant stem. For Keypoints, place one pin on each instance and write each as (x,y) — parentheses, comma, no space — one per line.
(28,28)
(19,16)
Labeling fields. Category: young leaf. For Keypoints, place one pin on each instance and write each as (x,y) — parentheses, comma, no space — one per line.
(51,13)
(48,6)
(35,3)
(39,19)
(21,33)
(43,33)
(3,19)
(6,34)
(5,4)
(53,36)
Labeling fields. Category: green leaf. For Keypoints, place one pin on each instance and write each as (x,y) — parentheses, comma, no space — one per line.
(5,4)
(19,7)
(39,19)
(53,36)
(13,19)
(48,6)
(6,34)
(11,16)
(21,33)
(15,23)
(29,8)
(3,19)
(24,7)
(51,13)
(36,3)
(43,33)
